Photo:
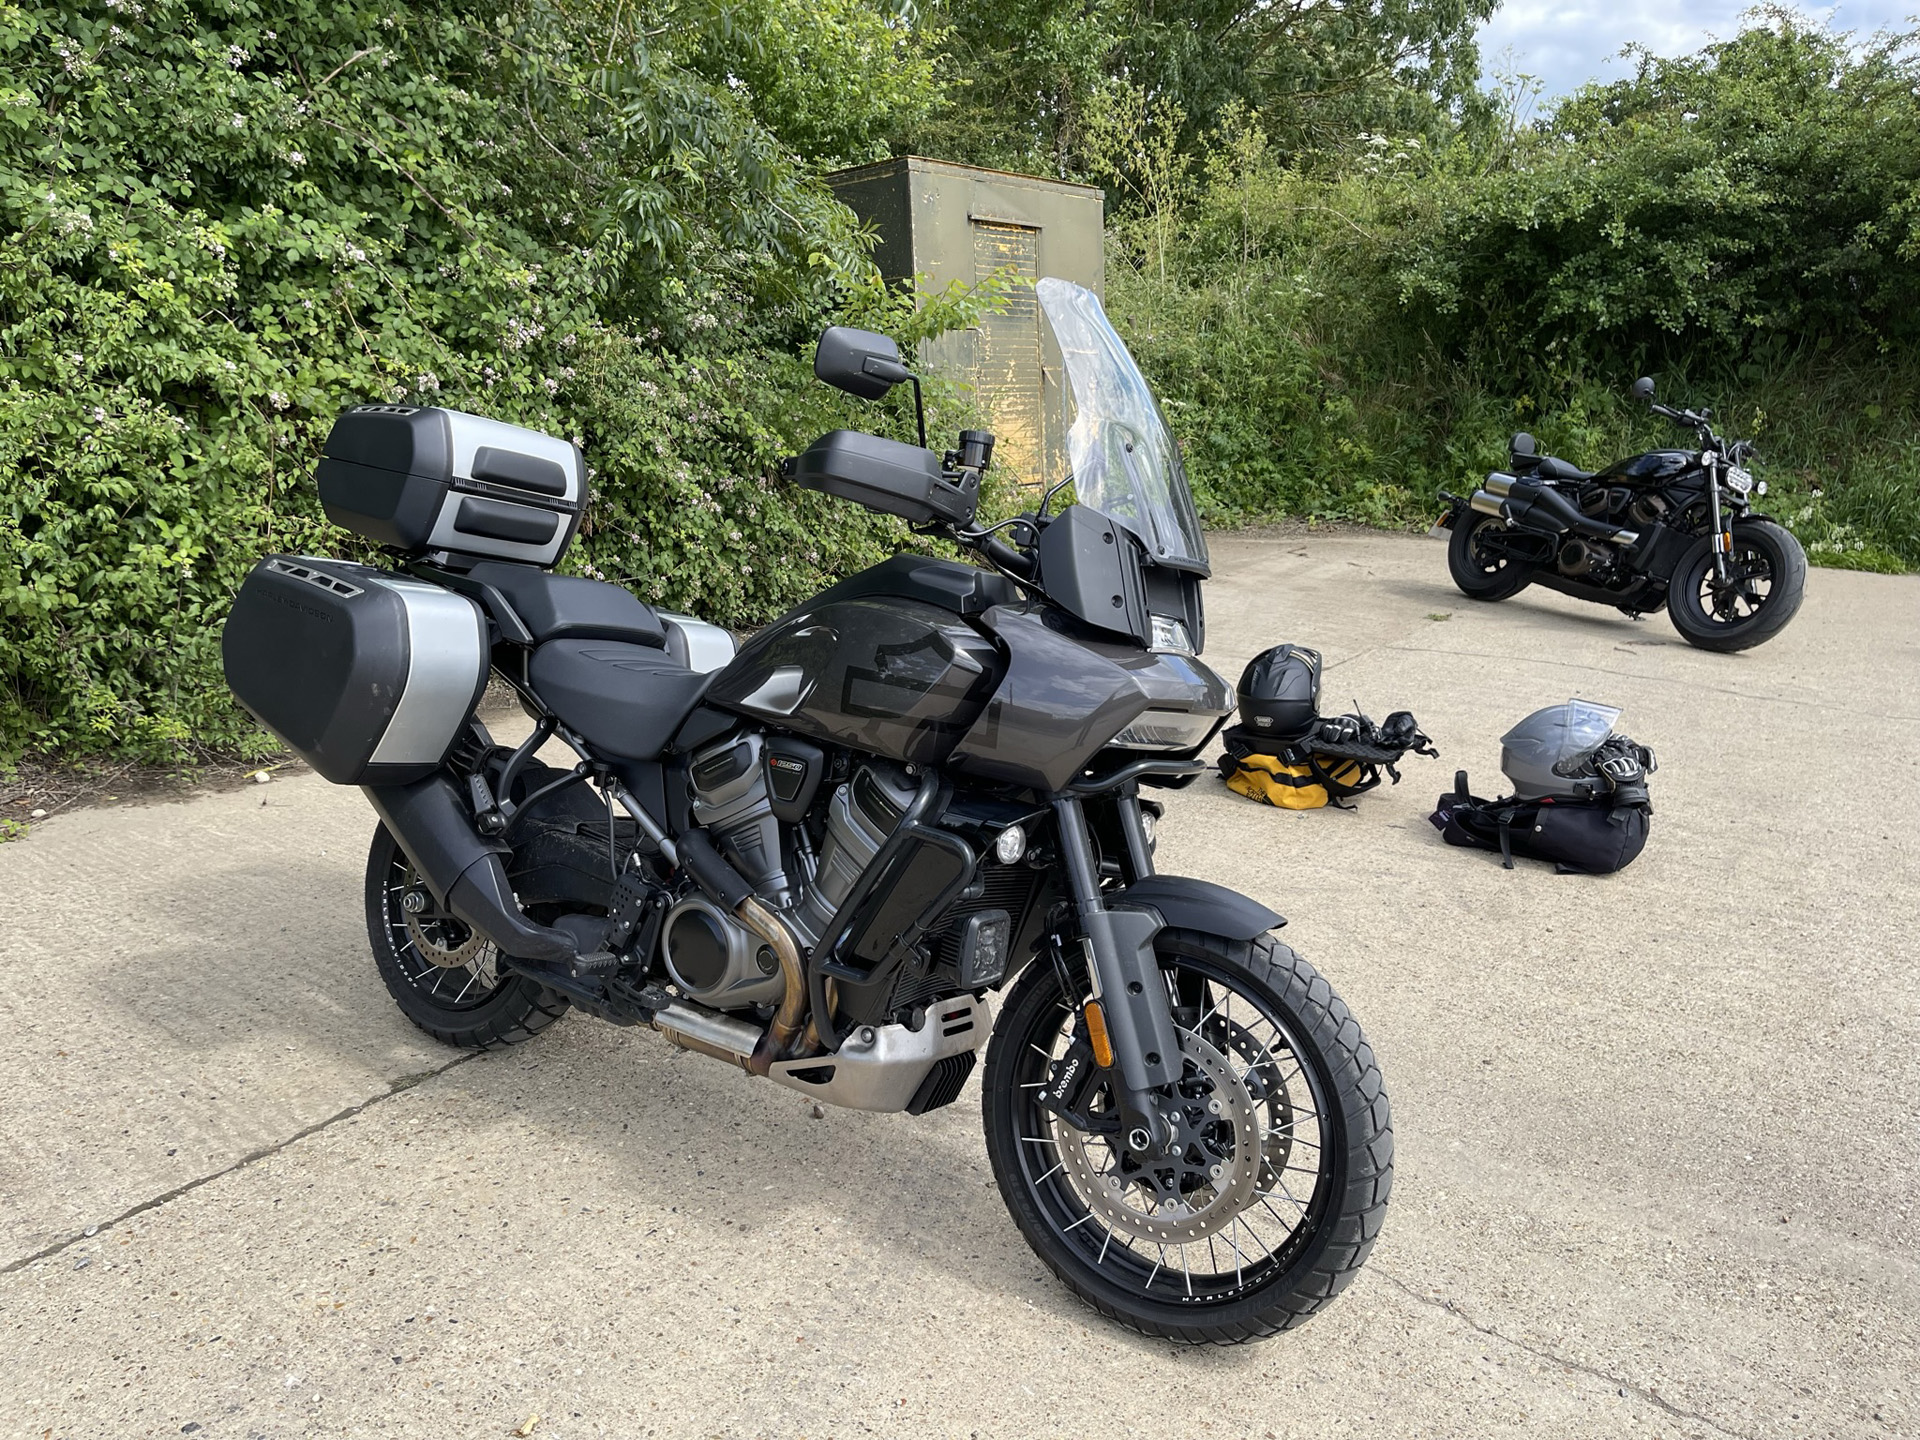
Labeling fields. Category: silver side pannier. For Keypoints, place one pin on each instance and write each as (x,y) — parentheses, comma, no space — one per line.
(417,478)
(368,676)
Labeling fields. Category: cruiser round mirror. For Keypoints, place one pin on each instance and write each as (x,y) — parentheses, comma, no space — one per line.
(1643,388)
(859,362)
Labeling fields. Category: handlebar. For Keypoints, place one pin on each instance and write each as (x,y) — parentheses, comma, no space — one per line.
(1006,557)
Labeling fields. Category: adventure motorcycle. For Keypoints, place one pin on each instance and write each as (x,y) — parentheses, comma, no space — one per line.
(814,859)
(1671,527)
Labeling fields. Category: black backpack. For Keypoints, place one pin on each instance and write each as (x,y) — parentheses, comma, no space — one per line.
(1595,836)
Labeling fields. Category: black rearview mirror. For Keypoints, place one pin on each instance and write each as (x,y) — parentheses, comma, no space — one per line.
(1643,388)
(859,362)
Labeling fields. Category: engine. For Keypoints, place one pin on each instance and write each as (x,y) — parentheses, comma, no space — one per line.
(751,794)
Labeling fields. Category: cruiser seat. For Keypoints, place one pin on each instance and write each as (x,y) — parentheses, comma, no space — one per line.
(1553,468)
(568,607)
(625,700)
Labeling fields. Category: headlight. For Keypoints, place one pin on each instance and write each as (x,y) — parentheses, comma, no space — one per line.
(1010,845)
(1171,637)
(1738,481)
(1165,730)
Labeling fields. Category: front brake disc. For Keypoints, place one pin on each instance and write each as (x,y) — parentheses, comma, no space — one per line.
(1196,1187)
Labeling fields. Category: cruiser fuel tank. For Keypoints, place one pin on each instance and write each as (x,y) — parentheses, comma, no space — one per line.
(888,675)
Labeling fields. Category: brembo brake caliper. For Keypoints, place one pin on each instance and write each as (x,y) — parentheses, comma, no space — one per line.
(1074,1079)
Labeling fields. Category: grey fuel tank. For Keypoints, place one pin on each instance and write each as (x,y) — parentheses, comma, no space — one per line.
(885,662)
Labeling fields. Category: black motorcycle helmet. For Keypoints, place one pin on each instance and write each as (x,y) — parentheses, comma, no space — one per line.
(1280,693)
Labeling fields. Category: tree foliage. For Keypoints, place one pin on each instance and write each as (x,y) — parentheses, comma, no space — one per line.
(222,223)
(1345,340)
(1032,79)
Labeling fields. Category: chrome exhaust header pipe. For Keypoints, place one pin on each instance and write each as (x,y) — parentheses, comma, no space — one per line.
(1488,504)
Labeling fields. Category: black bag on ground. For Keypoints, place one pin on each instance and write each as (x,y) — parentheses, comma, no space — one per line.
(1580,837)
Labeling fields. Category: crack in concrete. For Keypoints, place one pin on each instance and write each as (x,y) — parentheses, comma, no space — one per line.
(394,1087)
(1619,1382)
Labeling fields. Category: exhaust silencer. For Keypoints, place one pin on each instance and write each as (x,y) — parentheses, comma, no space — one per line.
(1499,484)
(1487,504)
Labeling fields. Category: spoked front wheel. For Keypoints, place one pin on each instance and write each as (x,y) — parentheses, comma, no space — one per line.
(1270,1195)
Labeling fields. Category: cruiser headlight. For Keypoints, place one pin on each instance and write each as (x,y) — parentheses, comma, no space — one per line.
(1165,730)
(1170,637)
(1738,481)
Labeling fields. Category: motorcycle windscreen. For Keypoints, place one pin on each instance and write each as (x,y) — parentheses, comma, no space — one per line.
(1124,461)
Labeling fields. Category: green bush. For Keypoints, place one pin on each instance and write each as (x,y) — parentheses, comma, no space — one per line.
(220,226)
(1342,341)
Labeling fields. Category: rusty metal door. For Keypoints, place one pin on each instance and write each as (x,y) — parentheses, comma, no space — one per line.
(1007,356)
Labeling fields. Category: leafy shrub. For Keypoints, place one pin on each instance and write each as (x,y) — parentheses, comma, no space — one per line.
(219,226)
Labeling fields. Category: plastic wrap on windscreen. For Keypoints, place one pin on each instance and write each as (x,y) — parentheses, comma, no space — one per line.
(1125,461)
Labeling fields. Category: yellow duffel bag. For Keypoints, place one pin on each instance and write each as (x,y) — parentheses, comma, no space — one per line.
(1305,783)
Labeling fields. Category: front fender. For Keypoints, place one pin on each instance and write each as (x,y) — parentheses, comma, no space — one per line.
(1184,904)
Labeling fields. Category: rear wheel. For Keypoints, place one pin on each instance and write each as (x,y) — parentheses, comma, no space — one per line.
(1766,581)
(445,977)
(1480,570)
(1268,1202)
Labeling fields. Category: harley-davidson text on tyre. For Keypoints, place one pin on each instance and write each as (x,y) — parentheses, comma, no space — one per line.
(815,859)
(1671,527)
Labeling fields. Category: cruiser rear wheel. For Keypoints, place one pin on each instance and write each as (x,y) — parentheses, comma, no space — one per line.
(445,978)
(1483,571)
(1268,1203)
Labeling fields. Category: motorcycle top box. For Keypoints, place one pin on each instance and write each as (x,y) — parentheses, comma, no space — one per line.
(367,675)
(416,478)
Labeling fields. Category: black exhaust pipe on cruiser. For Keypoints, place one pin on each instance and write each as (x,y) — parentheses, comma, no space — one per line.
(1535,507)
(462,869)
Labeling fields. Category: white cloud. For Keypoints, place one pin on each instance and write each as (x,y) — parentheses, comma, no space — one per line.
(1565,45)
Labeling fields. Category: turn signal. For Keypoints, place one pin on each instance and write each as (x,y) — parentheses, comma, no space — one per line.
(1097,1035)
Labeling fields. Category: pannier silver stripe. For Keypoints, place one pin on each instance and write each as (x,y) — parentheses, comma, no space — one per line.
(446,657)
(471,432)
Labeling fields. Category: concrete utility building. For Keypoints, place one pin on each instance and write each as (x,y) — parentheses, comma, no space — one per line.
(946,222)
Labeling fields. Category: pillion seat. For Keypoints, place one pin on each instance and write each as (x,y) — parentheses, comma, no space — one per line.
(624,700)
(568,607)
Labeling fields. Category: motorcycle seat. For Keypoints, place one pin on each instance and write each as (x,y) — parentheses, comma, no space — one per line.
(568,607)
(1553,468)
(624,700)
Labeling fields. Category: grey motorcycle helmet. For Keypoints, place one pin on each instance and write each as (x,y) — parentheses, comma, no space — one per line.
(1542,752)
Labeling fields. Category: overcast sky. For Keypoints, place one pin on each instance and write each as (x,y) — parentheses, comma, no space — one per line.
(1566,44)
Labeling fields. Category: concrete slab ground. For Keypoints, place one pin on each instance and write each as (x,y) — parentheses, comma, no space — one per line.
(1659,1134)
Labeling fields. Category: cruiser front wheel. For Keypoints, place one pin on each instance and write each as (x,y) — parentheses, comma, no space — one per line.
(1269,1201)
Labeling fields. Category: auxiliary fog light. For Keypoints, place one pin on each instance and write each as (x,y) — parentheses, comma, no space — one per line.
(983,949)
(1011,845)
(1149,826)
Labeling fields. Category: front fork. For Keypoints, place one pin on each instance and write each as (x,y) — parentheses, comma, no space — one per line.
(1128,994)
(1722,539)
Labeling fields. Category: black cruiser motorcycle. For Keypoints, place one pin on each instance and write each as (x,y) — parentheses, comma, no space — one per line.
(1673,528)
(816,859)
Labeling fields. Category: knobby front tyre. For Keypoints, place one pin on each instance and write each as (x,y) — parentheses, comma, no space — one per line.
(1272,1197)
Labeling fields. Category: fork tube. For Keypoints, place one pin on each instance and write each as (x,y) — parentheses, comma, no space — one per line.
(1126,973)
(1139,856)
(1713,510)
